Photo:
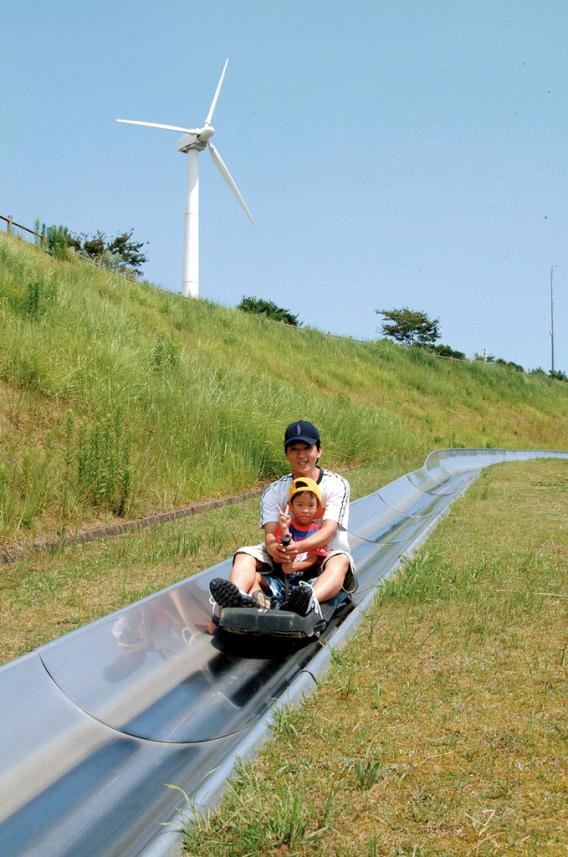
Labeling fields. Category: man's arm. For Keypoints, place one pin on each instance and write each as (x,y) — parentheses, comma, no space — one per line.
(284,555)
(336,497)
(317,540)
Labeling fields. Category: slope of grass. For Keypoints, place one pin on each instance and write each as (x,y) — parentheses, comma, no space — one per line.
(118,398)
(441,728)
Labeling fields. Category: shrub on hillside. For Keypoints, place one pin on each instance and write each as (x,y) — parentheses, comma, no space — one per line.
(99,458)
(269,309)
(55,239)
(38,296)
(490,358)
(510,364)
(120,254)
(165,354)
(446,351)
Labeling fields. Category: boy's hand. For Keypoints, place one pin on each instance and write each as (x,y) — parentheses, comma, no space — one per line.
(285,517)
(280,553)
(290,551)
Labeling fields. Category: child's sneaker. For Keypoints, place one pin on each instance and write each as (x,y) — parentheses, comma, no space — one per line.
(261,599)
(299,600)
(226,594)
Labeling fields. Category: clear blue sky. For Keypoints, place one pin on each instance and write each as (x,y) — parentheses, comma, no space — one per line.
(401,153)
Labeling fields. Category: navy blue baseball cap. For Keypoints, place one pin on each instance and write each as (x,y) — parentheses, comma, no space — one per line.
(301,432)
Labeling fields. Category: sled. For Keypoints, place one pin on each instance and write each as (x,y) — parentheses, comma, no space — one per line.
(271,622)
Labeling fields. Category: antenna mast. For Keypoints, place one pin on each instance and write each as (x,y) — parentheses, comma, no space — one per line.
(552,317)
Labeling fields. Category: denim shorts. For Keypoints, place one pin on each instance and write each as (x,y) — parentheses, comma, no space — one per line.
(276,582)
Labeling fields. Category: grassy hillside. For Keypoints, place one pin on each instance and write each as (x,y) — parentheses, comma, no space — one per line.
(118,399)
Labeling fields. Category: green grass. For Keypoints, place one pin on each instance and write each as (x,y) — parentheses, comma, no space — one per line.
(441,727)
(50,593)
(118,398)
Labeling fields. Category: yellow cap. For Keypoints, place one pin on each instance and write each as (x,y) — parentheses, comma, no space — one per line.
(303,483)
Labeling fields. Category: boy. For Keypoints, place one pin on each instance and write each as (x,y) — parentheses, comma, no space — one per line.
(306,510)
(302,448)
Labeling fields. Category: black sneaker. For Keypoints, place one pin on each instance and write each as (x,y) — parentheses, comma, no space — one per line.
(298,601)
(226,594)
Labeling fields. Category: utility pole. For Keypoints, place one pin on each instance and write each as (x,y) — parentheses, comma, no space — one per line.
(552,317)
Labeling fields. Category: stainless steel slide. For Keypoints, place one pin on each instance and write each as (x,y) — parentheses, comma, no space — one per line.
(94,724)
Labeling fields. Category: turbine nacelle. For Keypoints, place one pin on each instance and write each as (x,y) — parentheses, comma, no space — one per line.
(197,139)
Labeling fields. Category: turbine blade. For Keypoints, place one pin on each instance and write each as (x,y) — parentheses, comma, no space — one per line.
(216,96)
(160,125)
(218,161)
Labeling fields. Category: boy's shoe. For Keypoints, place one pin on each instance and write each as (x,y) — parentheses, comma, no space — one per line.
(299,600)
(261,599)
(226,594)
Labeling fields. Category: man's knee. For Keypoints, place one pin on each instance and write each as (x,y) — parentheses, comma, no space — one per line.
(341,570)
(244,560)
(338,565)
(245,572)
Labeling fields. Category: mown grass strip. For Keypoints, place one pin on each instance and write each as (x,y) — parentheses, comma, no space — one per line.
(441,728)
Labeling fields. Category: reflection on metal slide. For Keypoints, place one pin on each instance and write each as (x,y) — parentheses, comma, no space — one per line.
(94,724)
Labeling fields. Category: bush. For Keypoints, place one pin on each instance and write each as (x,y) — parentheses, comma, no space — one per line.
(165,354)
(55,239)
(446,351)
(490,358)
(120,254)
(510,364)
(102,457)
(269,309)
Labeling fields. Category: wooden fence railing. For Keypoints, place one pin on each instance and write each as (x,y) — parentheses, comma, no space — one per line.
(13,228)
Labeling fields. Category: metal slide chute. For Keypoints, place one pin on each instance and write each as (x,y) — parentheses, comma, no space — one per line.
(94,724)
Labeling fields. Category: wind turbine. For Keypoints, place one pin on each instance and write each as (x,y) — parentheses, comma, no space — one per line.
(193,142)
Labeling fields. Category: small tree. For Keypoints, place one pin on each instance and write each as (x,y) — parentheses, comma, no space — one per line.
(120,254)
(411,327)
(269,309)
(93,247)
(129,252)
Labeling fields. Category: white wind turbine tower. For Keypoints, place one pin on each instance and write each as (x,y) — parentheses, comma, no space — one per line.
(193,142)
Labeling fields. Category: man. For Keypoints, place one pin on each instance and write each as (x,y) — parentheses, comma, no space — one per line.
(253,565)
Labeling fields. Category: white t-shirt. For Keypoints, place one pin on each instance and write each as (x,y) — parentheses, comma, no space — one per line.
(335,492)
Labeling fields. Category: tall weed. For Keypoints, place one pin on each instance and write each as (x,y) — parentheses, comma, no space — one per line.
(102,457)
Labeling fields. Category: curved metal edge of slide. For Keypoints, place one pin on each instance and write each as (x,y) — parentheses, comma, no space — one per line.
(94,724)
